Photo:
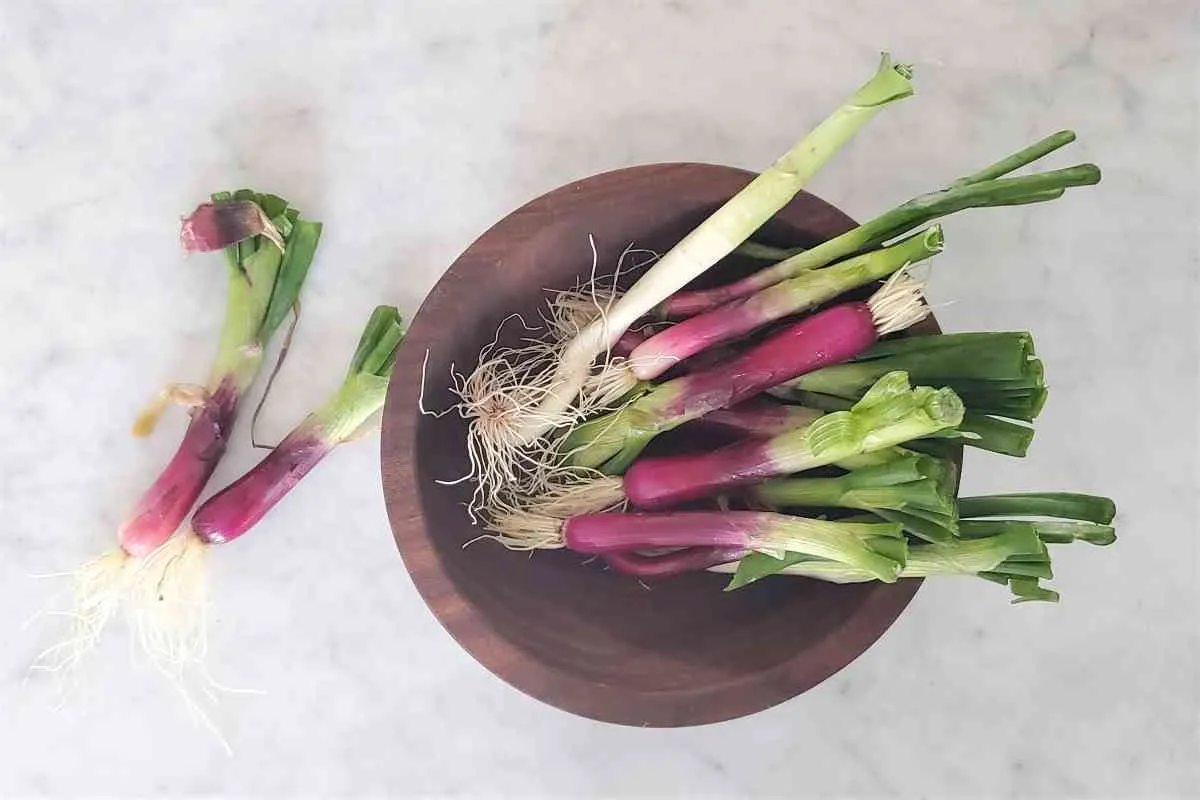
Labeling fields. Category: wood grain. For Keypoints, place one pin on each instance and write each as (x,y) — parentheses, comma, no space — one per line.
(682,652)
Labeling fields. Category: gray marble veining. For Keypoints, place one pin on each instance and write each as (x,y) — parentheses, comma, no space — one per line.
(409,128)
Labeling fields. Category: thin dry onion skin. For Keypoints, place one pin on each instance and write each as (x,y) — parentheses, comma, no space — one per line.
(186,395)
(222,223)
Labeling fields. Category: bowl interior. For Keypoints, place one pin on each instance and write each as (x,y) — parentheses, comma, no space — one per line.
(672,652)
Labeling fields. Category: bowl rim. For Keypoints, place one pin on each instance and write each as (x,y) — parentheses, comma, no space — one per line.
(472,629)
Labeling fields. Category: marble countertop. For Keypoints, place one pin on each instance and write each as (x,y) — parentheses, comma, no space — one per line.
(409,128)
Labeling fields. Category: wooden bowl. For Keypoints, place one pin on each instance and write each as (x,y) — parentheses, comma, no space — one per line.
(589,641)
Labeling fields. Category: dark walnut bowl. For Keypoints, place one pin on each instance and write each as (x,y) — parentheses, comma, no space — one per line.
(589,641)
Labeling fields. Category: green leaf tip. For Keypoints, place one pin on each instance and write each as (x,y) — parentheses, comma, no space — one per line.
(890,386)
(890,82)
(935,238)
(886,63)
(377,345)
(1030,590)
(299,250)
(945,406)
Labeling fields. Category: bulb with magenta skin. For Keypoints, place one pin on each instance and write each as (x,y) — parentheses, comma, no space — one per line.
(243,503)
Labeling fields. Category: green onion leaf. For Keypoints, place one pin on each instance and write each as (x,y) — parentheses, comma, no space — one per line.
(299,251)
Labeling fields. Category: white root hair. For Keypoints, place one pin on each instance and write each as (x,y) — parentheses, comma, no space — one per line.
(523,531)
(164,599)
(168,606)
(503,394)
(169,614)
(96,591)
(899,303)
(535,522)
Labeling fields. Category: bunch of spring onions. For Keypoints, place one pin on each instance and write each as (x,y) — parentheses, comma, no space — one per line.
(268,249)
(845,429)
(158,568)
(172,585)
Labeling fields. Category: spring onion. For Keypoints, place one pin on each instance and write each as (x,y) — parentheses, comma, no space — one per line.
(878,549)
(890,413)
(794,296)
(985,188)
(234,510)
(611,442)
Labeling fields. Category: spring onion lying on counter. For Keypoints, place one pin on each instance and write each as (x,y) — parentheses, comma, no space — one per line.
(269,249)
(172,581)
(515,398)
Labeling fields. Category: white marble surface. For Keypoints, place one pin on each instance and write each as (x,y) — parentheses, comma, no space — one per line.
(410,127)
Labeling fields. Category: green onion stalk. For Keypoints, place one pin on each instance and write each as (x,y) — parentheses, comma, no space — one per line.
(982,189)
(765,252)
(876,549)
(234,510)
